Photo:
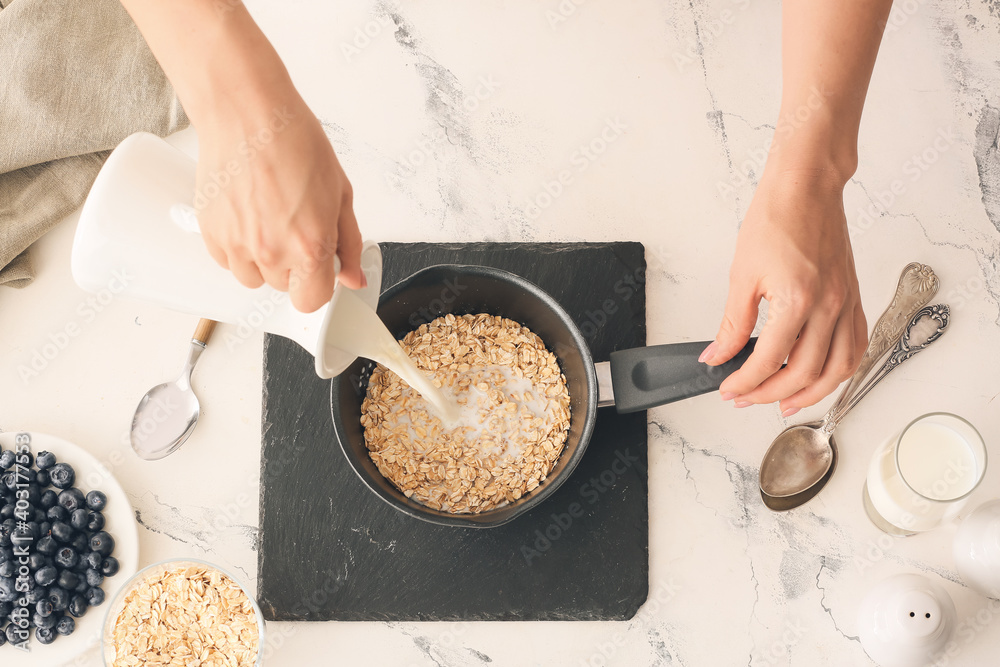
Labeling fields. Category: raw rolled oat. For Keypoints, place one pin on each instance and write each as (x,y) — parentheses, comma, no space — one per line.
(517,408)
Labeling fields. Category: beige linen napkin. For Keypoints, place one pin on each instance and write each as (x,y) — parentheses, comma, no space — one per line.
(76,78)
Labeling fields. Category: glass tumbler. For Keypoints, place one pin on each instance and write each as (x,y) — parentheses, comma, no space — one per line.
(923,475)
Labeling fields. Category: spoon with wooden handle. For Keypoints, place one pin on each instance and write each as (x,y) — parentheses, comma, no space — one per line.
(167,414)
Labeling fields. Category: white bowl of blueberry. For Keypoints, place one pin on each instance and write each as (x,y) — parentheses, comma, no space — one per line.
(64,547)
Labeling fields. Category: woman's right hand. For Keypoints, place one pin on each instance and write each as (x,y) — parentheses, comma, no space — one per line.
(274,203)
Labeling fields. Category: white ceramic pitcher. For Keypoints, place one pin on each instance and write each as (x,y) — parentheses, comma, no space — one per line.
(138,227)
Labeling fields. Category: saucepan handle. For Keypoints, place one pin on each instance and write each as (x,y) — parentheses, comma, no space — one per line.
(645,377)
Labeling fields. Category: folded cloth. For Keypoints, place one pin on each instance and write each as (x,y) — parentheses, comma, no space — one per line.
(76,78)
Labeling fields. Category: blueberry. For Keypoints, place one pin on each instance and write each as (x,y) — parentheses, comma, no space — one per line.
(37,561)
(44,608)
(6,554)
(59,598)
(45,635)
(8,568)
(95,597)
(5,609)
(81,585)
(6,530)
(43,621)
(34,491)
(8,592)
(81,565)
(44,527)
(49,499)
(9,480)
(3,635)
(47,545)
(97,501)
(45,460)
(102,543)
(95,521)
(7,511)
(42,478)
(46,576)
(62,532)
(62,475)
(57,512)
(78,519)
(66,557)
(109,567)
(13,634)
(65,626)
(77,606)
(94,560)
(80,543)
(6,459)
(36,595)
(72,499)
(68,580)
(94,578)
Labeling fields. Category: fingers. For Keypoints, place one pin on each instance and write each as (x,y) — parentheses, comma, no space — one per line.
(245,270)
(841,360)
(349,250)
(314,276)
(773,346)
(738,322)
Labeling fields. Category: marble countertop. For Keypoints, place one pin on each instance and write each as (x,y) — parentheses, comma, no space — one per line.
(454,121)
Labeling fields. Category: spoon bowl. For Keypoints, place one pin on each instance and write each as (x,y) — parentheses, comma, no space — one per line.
(164,420)
(794,500)
(167,414)
(798,459)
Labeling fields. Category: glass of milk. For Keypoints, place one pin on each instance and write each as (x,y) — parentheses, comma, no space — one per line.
(923,475)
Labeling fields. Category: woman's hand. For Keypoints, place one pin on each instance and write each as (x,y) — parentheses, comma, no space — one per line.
(793,250)
(275,205)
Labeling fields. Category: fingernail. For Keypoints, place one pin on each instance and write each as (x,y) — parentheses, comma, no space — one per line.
(789,412)
(728,395)
(708,353)
(742,404)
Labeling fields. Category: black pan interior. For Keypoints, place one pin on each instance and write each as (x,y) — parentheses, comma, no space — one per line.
(440,290)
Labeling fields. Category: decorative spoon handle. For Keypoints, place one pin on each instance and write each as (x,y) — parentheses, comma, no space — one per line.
(917,286)
(912,342)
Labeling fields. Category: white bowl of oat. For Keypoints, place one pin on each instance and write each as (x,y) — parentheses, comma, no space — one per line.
(183,612)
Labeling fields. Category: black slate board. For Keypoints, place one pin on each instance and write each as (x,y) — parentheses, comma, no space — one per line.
(331,550)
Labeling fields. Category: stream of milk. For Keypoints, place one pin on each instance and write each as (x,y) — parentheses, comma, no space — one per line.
(363,333)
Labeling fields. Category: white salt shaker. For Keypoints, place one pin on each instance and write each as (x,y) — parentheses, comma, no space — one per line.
(905,620)
(977,549)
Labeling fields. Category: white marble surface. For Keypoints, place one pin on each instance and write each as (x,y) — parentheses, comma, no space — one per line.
(449,120)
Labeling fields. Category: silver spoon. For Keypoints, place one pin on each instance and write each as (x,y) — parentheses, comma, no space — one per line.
(168,413)
(797,465)
(802,458)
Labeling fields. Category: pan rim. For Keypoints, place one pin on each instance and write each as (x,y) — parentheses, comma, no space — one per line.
(551,484)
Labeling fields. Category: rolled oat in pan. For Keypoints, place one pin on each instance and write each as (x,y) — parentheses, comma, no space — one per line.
(514,423)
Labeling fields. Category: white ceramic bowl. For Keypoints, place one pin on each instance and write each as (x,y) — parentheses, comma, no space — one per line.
(119,517)
(156,569)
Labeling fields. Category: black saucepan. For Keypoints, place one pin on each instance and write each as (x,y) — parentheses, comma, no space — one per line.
(639,378)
